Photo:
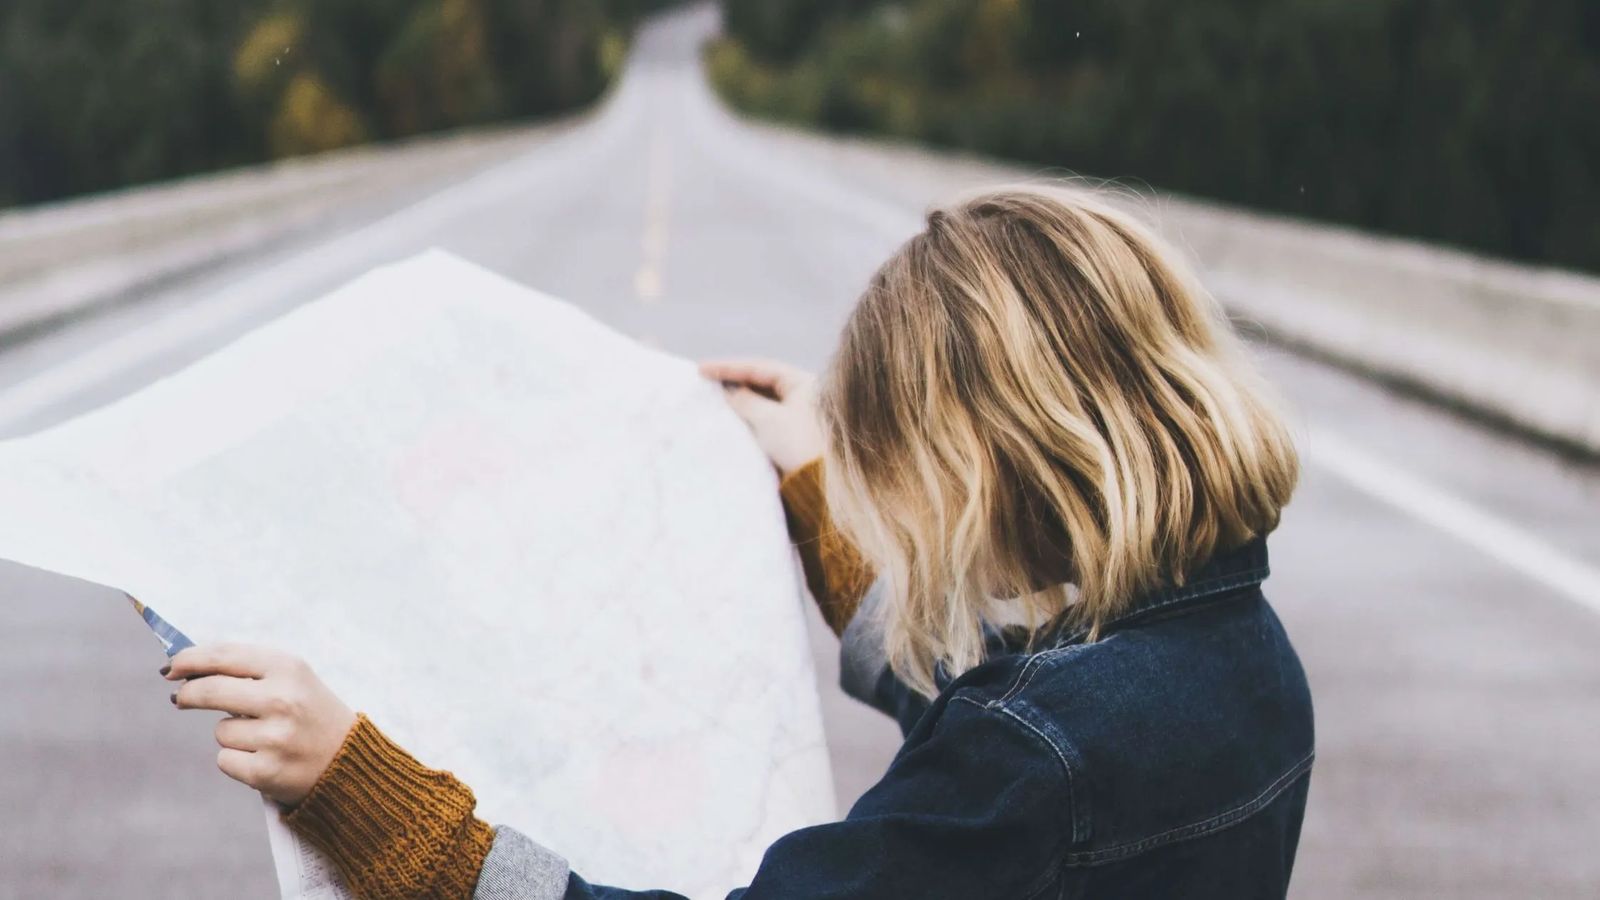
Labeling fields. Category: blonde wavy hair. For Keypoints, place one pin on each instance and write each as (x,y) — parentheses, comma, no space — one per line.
(1035,411)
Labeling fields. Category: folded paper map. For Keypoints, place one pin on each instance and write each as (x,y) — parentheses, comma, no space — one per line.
(535,552)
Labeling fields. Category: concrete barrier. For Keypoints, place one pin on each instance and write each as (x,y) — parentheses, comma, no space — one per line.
(63,259)
(1516,344)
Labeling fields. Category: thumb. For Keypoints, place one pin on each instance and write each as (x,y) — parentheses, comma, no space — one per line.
(750,406)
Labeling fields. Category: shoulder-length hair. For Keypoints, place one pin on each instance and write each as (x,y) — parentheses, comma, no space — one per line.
(1035,411)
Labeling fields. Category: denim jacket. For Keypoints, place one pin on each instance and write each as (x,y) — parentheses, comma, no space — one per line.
(1168,758)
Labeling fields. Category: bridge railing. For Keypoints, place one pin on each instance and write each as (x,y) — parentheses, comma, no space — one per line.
(1514,343)
(62,259)
(1517,343)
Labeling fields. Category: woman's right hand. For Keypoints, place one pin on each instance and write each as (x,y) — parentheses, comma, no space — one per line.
(778,402)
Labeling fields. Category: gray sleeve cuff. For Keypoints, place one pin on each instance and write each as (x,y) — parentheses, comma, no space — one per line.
(862,661)
(519,869)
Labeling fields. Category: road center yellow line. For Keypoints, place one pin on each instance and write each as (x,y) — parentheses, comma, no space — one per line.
(647,281)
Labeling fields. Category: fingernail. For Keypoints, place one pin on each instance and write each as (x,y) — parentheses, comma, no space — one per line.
(165,669)
(174,699)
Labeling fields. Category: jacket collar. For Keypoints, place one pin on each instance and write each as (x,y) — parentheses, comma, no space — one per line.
(1226,572)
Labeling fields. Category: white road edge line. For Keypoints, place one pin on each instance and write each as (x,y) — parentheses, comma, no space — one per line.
(256,291)
(1472,525)
(1514,546)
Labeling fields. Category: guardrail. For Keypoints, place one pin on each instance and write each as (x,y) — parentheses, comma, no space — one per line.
(1516,343)
(1519,345)
(60,260)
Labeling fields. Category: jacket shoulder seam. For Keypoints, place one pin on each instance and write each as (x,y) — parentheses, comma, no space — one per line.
(1077,814)
(1034,664)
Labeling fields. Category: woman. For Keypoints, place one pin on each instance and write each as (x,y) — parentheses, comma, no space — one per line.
(1049,476)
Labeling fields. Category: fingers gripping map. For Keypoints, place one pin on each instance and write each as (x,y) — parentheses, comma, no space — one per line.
(536,553)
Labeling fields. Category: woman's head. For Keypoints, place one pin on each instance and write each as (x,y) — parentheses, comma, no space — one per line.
(1032,393)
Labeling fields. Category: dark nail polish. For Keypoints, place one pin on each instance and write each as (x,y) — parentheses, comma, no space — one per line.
(174,699)
(165,669)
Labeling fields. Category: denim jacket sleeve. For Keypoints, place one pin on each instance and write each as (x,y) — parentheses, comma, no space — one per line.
(974,805)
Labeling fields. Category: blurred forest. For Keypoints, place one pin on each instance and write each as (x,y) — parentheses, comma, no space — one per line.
(98,94)
(1470,122)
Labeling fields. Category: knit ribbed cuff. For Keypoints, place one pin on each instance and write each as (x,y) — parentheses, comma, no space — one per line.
(394,827)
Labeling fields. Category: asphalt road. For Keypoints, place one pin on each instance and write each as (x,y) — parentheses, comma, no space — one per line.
(1439,579)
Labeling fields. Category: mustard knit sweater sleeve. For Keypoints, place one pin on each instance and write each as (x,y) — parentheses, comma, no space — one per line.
(394,827)
(835,572)
(397,829)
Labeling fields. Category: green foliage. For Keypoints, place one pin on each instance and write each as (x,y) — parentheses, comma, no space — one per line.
(96,94)
(779,30)
(1472,122)
(92,97)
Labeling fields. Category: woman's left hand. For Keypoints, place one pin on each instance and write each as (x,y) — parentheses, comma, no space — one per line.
(287,725)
